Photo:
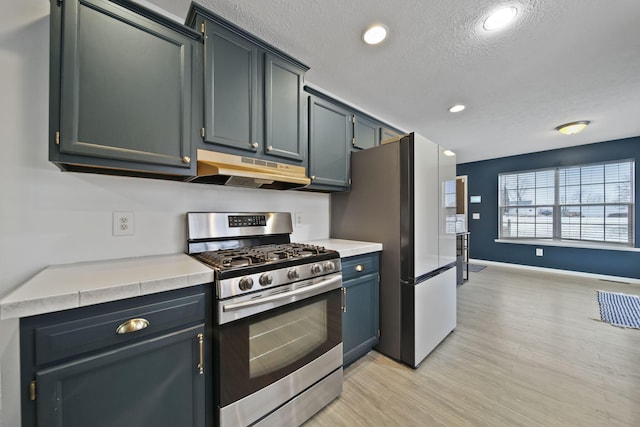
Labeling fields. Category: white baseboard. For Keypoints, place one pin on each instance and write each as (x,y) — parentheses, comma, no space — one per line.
(557,271)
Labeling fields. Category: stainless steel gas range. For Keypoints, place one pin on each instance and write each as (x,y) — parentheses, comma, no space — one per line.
(278,334)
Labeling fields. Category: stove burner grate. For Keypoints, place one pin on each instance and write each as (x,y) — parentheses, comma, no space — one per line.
(256,255)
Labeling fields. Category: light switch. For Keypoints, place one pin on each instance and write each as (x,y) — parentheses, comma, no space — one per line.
(476,215)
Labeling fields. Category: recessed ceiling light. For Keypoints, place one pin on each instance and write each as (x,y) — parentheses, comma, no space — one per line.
(448,153)
(457,108)
(573,127)
(500,18)
(375,34)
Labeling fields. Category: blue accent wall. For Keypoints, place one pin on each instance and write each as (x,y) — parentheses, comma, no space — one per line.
(483,181)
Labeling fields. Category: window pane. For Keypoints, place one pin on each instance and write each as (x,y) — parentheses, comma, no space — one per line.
(619,192)
(569,195)
(544,196)
(545,211)
(544,228)
(617,172)
(593,212)
(617,211)
(505,225)
(570,227)
(592,223)
(616,222)
(545,178)
(592,193)
(571,211)
(592,174)
(526,196)
(526,222)
(527,180)
(569,176)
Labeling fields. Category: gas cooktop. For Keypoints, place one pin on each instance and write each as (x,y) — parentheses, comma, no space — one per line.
(225,259)
(247,249)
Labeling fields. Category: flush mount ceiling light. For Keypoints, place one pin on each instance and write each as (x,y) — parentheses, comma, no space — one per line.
(573,127)
(500,18)
(375,34)
(457,108)
(448,153)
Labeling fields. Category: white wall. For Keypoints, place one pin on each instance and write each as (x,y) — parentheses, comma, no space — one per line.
(50,217)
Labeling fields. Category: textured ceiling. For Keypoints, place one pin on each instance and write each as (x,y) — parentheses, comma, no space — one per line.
(560,61)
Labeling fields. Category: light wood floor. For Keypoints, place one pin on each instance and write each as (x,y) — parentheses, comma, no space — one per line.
(526,352)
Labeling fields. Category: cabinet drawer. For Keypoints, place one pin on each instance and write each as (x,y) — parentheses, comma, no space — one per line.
(360,265)
(95,327)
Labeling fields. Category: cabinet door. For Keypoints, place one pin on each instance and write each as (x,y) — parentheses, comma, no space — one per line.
(152,383)
(231,89)
(386,133)
(366,133)
(360,321)
(124,85)
(330,133)
(284,110)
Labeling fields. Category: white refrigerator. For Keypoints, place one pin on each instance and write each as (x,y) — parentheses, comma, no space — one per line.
(403,196)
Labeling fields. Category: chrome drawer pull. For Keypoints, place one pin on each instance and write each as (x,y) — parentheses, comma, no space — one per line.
(359,267)
(132,325)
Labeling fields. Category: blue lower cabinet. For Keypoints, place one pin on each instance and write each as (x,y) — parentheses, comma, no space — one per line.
(136,363)
(360,319)
(151,383)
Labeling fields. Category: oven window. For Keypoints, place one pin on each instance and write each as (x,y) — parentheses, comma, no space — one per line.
(281,340)
(256,351)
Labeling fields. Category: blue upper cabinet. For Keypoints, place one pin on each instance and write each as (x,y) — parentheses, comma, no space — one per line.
(330,136)
(253,94)
(335,130)
(366,133)
(230,90)
(121,89)
(285,126)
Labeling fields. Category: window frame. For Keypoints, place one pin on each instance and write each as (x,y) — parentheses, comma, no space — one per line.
(558,207)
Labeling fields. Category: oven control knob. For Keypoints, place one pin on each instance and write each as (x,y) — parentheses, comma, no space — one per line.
(316,269)
(329,266)
(266,279)
(293,274)
(246,283)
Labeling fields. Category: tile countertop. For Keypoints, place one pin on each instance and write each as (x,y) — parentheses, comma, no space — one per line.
(60,287)
(347,248)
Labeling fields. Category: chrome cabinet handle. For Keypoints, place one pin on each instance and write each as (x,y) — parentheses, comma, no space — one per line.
(186,160)
(344,300)
(359,267)
(132,325)
(270,148)
(201,348)
(254,145)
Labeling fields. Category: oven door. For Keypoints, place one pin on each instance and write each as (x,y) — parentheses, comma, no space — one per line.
(265,359)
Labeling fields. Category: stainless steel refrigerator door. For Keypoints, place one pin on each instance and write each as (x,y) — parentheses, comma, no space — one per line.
(425,206)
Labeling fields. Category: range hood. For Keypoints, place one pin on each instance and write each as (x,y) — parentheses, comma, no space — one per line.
(240,171)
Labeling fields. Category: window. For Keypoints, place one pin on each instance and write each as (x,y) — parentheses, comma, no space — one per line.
(593,203)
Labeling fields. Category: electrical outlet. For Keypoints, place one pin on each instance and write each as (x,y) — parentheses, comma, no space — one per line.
(123,224)
(539,252)
(298,218)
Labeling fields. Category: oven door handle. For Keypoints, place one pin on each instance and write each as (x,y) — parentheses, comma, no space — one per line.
(305,292)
